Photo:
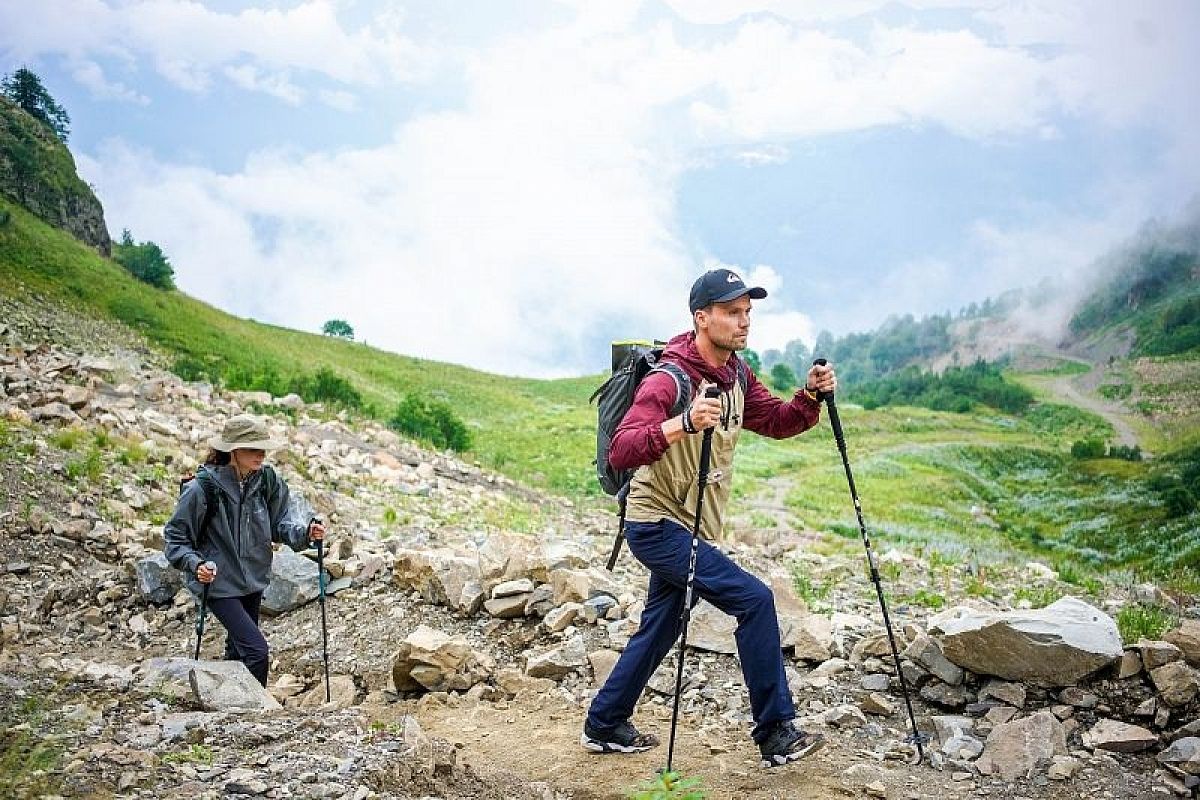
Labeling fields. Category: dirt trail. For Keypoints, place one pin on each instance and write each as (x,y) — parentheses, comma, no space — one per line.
(538,738)
(1070,388)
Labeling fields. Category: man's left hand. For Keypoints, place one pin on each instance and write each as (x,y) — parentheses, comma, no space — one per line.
(821,379)
(316,530)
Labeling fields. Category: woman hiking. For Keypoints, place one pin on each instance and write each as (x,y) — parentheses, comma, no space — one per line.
(230,514)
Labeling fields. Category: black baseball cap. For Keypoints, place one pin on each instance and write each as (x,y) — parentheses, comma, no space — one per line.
(720,286)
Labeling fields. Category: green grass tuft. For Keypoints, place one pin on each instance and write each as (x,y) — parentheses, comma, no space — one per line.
(1144,621)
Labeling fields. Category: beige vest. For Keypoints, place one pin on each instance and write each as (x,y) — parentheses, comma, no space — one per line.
(668,487)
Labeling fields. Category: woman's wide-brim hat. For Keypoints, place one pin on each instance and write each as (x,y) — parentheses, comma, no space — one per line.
(244,432)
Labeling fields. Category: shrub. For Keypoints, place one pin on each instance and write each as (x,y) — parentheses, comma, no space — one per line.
(432,421)
(144,261)
(1115,391)
(1087,448)
(1125,453)
(1179,501)
(326,386)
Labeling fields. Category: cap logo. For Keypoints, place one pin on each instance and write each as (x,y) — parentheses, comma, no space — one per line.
(732,278)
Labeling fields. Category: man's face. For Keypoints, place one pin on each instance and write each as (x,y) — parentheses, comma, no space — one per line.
(727,325)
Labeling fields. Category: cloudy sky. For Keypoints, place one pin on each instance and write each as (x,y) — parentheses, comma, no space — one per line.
(509,185)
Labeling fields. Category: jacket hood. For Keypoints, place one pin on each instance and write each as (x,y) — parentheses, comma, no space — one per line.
(683,351)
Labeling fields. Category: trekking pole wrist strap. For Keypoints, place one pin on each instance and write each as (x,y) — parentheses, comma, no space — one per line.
(688,426)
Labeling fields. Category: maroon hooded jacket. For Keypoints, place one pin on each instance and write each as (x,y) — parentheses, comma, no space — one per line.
(639,439)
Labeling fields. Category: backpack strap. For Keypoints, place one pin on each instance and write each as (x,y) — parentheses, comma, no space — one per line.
(212,502)
(683,384)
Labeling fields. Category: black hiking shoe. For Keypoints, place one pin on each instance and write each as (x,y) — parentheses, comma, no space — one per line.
(624,739)
(787,743)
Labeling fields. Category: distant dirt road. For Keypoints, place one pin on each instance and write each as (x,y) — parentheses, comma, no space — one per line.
(1067,388)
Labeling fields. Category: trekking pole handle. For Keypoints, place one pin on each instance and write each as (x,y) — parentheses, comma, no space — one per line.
(821,362)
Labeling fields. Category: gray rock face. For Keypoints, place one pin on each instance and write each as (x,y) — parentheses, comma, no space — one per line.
(1016,748)
(293,583)
(52,190)
(1119,737)
(157,580)
(1055,646)
(434,660)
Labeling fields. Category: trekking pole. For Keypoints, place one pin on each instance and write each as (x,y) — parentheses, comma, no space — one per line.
(835,422)
(211,567)
(321,590)
(686,615)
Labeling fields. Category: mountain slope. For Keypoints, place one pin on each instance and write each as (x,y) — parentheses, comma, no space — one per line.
(538,431)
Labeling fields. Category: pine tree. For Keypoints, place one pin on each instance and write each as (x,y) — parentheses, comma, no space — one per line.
(24,88)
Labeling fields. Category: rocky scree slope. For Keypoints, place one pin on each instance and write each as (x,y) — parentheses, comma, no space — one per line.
(455,591)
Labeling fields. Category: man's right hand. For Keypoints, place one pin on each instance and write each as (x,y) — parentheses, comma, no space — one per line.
(205,574)
(704,412)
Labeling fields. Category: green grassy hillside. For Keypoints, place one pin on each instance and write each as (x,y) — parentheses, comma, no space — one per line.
(540,432)
(973,486)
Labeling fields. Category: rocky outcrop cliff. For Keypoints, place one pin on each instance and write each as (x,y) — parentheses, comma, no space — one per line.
(38,172)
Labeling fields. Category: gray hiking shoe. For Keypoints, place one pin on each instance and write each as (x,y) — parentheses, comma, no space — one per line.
(787,743)
(624,739)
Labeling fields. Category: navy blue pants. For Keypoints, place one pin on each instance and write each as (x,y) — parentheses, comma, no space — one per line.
(243,641)
(665,548)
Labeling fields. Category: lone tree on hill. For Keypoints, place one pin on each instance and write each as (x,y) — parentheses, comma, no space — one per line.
(339,328)
(24,88)
(144,261)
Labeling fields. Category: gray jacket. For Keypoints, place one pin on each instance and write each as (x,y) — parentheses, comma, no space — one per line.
(239,536)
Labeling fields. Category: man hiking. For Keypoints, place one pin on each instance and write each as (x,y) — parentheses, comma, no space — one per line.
(661,507)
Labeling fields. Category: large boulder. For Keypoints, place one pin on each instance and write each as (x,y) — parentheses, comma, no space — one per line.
(1016,749)
(441,576)
(293,583)
(228,686)
(216,685)
(433,660)
(157,580)
(1058,645)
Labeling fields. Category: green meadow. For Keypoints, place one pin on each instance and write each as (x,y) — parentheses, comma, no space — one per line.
(981,485)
